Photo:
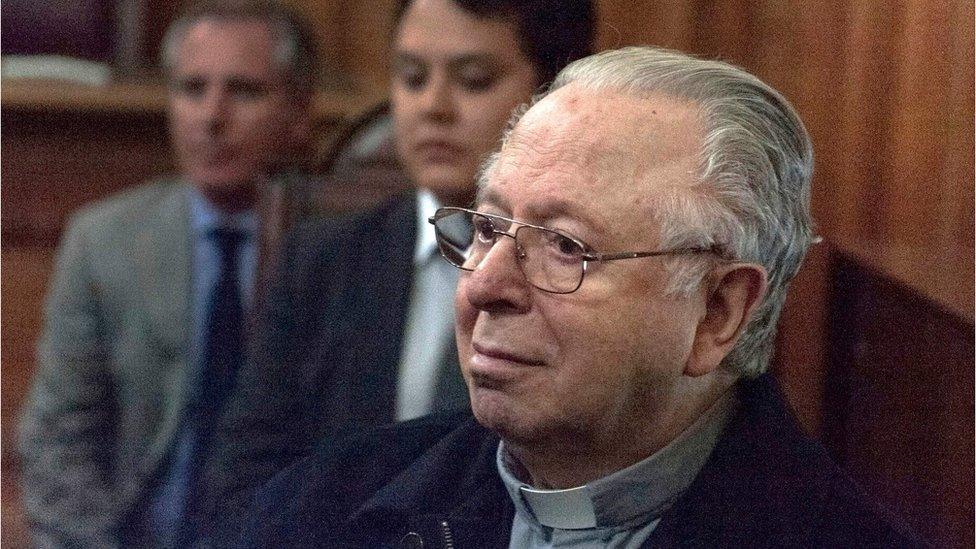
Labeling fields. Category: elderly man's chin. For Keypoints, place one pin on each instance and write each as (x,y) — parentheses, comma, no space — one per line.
(511,417)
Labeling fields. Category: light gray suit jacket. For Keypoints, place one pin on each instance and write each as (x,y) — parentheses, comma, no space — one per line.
(113,366)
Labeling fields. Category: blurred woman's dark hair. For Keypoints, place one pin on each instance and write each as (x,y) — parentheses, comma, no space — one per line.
(551,33)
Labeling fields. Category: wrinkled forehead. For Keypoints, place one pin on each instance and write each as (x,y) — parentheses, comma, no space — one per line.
(599,147)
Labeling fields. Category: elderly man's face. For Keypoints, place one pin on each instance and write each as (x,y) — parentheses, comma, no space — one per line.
(231,115)
(595,364)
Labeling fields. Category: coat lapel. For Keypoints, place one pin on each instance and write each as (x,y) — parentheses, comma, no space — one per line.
(464,499)
(164,249)
(365,342)
(742,481)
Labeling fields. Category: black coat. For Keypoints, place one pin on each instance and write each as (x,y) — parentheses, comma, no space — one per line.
(765,485)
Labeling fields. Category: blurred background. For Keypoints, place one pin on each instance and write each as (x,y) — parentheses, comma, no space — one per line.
(876,342)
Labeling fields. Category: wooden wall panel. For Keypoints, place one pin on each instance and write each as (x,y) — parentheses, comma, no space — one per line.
(355,37)
(668,24)
(367,40)
(55,161)
(958,225)
(327,20)
(900,406)
(902,201)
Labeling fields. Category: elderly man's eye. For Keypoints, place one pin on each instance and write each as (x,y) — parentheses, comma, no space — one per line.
(562,246)
(567,246)
(484,229)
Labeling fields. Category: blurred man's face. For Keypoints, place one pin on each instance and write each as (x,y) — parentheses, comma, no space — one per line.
(231,115)
(456,80)
(593,367)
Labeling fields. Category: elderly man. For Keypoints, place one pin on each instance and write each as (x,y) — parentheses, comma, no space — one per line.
(144,322)
(623,270)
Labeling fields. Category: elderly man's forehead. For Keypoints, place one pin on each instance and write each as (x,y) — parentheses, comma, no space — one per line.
(608,134)
(595,123)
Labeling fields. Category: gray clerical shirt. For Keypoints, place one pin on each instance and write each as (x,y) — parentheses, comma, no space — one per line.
(619,510)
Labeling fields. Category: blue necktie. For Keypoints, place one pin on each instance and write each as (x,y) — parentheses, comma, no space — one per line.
(223,355)
(224,349)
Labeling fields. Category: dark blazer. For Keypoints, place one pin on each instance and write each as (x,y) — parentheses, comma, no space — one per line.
(434,480)
(328,352)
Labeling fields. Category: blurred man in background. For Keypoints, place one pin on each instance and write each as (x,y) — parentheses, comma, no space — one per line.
(145,319)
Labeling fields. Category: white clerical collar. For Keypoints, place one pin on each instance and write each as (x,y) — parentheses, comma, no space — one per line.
(626,498)
(569,509)
(426,242)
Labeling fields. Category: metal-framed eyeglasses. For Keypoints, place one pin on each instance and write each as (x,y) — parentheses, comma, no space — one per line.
(550,260)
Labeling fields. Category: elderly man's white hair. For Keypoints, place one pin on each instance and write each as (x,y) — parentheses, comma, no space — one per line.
(752,195)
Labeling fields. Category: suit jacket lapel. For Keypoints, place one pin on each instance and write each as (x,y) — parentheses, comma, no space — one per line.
(164,249)
(367,321)
(388,300)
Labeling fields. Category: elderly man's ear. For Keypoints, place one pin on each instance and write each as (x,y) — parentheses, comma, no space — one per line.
(732,293)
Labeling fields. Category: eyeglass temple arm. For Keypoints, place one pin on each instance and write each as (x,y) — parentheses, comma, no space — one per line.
(634,255)
(715,249)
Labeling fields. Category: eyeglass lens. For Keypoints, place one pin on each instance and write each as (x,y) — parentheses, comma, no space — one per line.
(550,261)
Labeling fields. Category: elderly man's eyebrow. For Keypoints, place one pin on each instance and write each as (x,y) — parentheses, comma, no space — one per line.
(541,213)
(487,195)
(558,208)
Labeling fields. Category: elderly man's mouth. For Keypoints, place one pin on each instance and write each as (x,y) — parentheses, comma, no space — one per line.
(492,363)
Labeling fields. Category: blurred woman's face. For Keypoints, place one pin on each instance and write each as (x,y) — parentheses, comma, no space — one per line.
(456,79)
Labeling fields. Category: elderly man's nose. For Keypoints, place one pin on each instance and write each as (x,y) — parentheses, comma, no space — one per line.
(497,283)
